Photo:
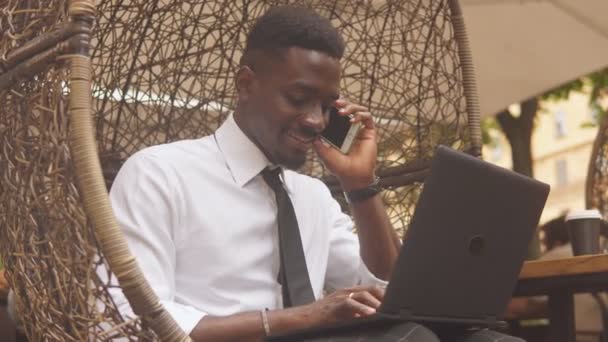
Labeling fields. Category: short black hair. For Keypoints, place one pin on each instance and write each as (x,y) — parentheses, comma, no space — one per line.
(294,26)
(555,232)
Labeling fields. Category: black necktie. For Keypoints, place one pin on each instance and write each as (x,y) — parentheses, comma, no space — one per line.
(293,273)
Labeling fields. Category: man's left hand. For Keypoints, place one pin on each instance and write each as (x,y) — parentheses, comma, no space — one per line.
(356,169)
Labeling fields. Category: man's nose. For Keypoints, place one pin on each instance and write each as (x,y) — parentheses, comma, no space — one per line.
(315,119)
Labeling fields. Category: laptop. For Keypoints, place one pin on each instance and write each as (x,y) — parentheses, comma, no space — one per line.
(464,248)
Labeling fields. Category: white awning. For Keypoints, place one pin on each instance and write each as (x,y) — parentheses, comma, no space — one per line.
(522,48)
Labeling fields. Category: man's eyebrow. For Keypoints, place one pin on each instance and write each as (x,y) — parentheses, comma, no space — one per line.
(299,85)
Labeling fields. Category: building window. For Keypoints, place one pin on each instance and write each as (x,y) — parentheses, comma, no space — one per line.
(560,124)
(594,115)
(561,172)
(496,151)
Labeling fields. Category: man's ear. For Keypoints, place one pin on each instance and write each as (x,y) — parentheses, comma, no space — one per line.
(245,79)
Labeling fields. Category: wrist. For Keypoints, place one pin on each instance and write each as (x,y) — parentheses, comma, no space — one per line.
(309,316)
(295,318)
(363,193)
(350,184)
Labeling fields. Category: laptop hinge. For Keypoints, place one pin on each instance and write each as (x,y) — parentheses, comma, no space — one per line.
(489,320)
(405,313)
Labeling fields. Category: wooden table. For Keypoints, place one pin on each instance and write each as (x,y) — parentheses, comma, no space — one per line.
(559,279)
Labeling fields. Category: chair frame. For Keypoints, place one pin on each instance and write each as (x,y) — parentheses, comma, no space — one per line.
(71,42)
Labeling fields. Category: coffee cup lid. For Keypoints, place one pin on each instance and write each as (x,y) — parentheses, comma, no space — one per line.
(584,214)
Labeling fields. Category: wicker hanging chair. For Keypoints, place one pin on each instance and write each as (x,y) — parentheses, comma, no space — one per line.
(84,86)
(596,188)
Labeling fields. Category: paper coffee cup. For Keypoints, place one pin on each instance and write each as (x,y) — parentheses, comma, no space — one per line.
(584,214)
(584,231)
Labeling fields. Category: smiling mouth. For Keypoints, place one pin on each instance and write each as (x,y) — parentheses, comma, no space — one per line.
(308,140)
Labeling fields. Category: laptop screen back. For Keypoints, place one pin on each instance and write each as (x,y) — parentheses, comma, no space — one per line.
(466,242)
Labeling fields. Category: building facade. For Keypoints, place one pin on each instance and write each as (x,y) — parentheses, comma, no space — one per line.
(561,147)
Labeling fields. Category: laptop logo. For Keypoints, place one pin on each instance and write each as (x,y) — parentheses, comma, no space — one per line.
(477,245)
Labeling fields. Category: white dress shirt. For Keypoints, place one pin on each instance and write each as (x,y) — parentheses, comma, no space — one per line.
(202,224)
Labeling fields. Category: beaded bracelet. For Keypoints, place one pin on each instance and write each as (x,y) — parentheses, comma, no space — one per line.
(265,321)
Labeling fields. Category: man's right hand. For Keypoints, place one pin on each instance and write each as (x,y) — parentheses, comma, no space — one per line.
(338,306)
(344,304)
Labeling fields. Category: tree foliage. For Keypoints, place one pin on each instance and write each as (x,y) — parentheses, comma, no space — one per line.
(596,84)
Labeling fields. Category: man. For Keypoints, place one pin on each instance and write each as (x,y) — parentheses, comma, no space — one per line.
(206,218)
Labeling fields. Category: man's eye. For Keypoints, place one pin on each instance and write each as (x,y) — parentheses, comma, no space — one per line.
(297,101)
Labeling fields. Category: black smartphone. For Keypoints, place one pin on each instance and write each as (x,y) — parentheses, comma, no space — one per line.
(340,132)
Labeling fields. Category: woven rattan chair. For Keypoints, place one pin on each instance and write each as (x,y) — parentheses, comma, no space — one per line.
(84,86)
(596,187)
(596,190)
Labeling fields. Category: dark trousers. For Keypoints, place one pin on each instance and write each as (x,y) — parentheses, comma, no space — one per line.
(409,332)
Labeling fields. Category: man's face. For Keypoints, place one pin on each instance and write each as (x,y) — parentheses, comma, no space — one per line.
(287,104)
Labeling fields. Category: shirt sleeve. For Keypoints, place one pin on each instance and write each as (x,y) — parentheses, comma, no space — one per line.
(345,267)
(146,208)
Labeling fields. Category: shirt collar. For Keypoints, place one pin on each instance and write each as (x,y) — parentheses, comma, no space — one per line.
(244,159)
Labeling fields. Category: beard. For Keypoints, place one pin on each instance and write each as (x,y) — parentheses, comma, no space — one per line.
(291,161)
